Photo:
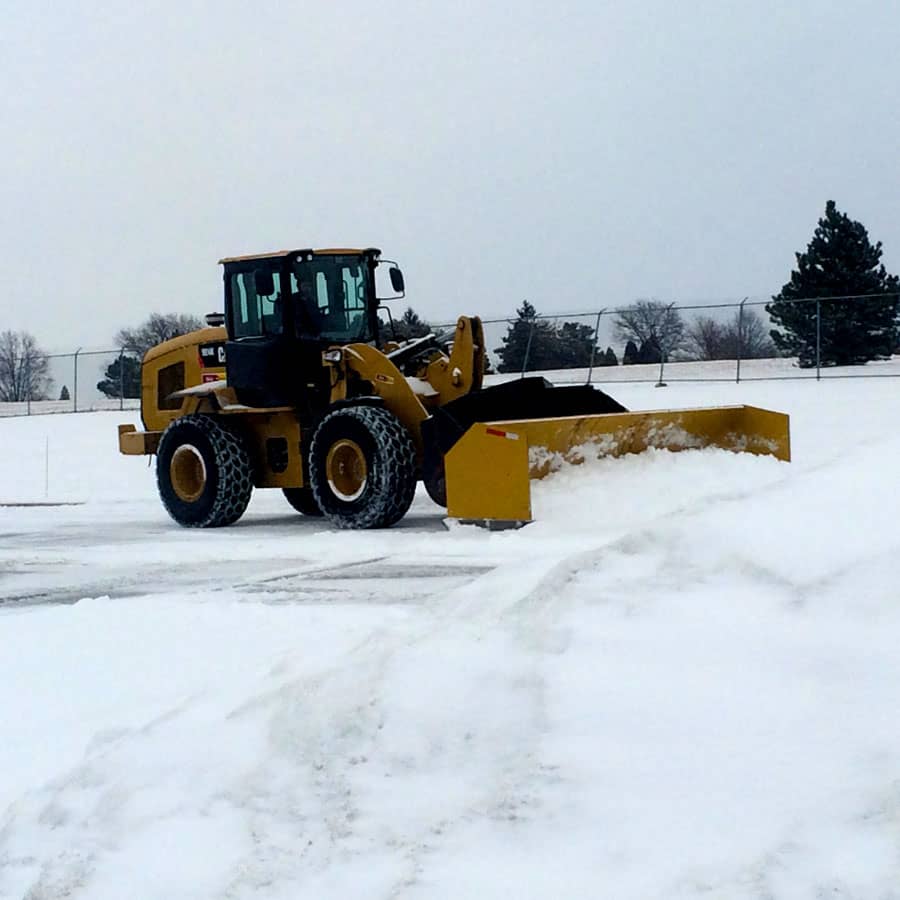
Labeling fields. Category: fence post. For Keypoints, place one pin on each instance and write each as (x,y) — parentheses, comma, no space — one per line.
(75,392)
(662,356)
(818,340)
(594,346)
(28,384)
(662,365)
(528,347)
(121,378)
(740,345)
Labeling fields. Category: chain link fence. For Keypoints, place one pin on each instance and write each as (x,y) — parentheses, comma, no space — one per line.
(81,381)
(704,342)
(727,342)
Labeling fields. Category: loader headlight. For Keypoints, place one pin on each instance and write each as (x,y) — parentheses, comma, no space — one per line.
(332,356)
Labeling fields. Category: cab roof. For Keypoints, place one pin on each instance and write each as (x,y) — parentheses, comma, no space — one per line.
(280,254)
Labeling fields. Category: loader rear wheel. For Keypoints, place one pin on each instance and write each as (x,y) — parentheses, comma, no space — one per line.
(362,467)
(203,472)
(302,500)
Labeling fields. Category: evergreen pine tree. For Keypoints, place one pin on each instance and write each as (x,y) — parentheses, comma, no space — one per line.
(64,393)
(409,326)
(123,371)
(610,358)
(650,352)
(630,356)
(575,343)
(548,345)
(839,261)
(528,335)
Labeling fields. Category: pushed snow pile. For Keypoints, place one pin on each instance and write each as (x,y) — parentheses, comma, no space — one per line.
(613,494)
(679,681)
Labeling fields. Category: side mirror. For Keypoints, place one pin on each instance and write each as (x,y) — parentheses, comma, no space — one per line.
(265,283)
(396,279)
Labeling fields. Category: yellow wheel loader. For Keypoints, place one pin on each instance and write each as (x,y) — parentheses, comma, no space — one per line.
(298,387)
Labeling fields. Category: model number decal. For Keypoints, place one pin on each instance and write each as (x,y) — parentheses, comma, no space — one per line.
(212,354)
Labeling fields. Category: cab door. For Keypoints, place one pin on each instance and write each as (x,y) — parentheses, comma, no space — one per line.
(258,352)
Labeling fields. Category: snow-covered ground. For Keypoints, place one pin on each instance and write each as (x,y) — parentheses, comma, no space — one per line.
(682,680)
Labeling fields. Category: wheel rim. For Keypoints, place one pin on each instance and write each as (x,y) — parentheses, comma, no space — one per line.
(187,472)
(346,470)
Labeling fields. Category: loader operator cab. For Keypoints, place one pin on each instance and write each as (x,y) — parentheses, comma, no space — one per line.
(282,310)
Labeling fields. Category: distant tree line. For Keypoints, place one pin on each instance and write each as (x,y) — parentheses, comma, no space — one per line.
(651,332)
(534,343)
(408,327)
(123,375)
(840,307)
(25,367)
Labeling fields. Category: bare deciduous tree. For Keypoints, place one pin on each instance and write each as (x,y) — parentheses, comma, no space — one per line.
(651,323)
(752,335)
(158,328)
(705,338)
(23,368)
(741,335)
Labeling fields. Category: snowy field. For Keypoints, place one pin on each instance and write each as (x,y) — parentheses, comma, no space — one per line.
(681,681)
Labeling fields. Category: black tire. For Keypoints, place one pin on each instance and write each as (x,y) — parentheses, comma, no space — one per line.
(362,467)
(436,487)
(302,500)
(434,478)
(203,472)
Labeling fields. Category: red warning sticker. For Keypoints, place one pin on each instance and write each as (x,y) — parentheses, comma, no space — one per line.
(509,435)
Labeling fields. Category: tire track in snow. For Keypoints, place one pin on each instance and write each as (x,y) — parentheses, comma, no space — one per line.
(532,616)
(321,753)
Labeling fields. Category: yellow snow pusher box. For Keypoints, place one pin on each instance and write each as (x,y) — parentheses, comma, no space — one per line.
(489,467)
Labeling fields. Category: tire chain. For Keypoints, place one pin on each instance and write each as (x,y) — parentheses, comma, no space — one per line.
(396,457)
(235,472)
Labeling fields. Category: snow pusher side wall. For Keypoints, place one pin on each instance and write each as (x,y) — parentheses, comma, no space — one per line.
(523,398)
(488,470)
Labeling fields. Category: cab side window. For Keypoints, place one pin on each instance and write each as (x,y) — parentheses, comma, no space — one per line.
(256,303)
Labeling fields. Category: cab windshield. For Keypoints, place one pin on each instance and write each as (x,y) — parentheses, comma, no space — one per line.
(331,296)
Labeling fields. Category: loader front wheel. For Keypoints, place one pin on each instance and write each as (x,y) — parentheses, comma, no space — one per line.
(203,472)
(362,467)
(302,500)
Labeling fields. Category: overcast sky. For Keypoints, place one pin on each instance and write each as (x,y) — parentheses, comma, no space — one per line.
(579,153)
